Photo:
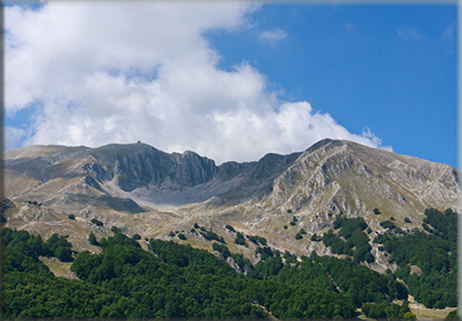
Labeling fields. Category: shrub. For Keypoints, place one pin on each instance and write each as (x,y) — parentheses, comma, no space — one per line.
(409,316)
(289,211)
(97,222)
(451,316)
(376,211)
(388,224)
(181,236)
(229,227)
(298,236)
(92,239)
(407,220)
(136,237)
(240,241)
(64,254)
(71,216)
(213,236)
(316,238)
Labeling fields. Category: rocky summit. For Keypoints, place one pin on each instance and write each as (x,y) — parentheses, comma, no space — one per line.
(139,189)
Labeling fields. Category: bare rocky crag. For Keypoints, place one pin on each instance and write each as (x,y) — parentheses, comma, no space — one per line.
(143,190)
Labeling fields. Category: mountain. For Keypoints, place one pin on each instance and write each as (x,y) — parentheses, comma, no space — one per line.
(140,189)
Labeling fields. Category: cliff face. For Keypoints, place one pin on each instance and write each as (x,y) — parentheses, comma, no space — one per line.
(149,192)
(331,176)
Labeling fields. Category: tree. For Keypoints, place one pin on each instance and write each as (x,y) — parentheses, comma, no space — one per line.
(64,254)
(92,239)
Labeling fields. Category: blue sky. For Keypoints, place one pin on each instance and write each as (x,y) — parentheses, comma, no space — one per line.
(234,81)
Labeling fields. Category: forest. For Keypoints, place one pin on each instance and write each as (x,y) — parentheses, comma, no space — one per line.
(174,281)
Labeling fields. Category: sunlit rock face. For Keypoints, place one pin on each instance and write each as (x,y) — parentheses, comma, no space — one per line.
(146,191)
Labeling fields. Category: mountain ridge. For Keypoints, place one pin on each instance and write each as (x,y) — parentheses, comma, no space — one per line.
(143,190)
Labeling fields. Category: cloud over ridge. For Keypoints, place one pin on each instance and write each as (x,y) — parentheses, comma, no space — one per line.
(101,73)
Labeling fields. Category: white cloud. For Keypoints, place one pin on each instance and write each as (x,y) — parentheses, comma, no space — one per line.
(449,32)
(273,36)
(407,33)
(349,26)
(123,72)
(13,137)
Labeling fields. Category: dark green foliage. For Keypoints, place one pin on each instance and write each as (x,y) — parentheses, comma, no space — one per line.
(23,242)
(241,261)
(285,227)
(213,236)
(181,236)
(64,254)
(377,211)
(71,216)
(182,283)
(115,229)
(196,225)
(392,219)
(444,224)
(386,310)
(407,220)
(289,211)
(361,284)
(265,252)
(298,236)
(293,223)
(388,224)
(369,230)
(302,231)
(380,239)
(60,247)
(435,254)
(295,219)
(229,227)
(30,290)
(290,258)
(136,237)
(97,222)
(92,239)
(240,241)
(257,240)
(356,242)
(223,249)
(316,238)
(452,315)
(171,234)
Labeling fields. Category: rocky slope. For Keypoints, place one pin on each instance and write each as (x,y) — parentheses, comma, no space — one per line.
(146,191)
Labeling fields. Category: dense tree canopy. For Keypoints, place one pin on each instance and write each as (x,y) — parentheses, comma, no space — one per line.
(177,281)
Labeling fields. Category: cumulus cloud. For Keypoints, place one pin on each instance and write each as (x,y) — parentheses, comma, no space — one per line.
(272,37)
(99,73)
(13,137)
